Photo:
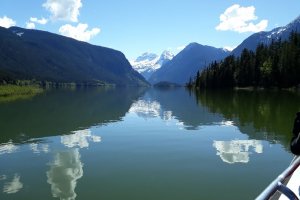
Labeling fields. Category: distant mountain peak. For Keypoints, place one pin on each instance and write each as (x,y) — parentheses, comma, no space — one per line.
(192,45)
(148,63)
(167,55)
(146,56)
(185,64)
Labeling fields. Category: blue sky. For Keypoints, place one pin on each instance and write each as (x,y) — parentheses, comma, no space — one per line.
(138,26)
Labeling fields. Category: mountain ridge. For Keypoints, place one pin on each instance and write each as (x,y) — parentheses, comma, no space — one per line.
(186,63)
(44,56)
(266,37)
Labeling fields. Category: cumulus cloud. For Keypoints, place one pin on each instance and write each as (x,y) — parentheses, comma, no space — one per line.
(79,32)
(42,21)
(7,22)
(67,10)
(34,20)
(240,19)
(30,25)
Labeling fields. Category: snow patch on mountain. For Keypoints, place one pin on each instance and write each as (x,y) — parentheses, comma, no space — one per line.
(148,63)
(280,31)
(266,37)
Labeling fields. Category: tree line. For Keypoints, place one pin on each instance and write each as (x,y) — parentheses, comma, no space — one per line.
(273,65)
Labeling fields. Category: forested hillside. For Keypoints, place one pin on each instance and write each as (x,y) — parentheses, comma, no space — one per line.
(275,65)
(46,57)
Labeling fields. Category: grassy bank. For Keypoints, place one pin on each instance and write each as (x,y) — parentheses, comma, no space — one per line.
(14,92)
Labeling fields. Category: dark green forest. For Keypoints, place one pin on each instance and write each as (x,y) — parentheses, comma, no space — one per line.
(273,65)
(54,60)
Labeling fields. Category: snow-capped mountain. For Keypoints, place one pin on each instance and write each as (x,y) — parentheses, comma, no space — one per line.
(148,63)
(266,37)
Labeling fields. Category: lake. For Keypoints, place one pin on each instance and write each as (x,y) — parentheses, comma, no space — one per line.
(150,144)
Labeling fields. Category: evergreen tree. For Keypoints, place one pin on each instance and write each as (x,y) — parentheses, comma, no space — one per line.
(276,65)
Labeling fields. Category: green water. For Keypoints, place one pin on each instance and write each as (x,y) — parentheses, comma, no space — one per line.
(144,144)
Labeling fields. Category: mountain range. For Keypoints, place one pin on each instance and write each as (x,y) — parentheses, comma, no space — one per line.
(148,63)
(195,56)
(32,54)
(266,37)
(186,63)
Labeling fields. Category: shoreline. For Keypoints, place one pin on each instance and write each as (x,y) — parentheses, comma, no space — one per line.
(10,92)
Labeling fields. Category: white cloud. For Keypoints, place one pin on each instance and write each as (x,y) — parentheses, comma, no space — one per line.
(42,21)
(30,25)
(7,22)
(79,32)
(240,19)
(34,20)
(67,10)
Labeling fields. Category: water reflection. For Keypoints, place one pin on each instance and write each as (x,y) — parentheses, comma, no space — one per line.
(262,115)
(174,104)
(13,186)
(80,138)
(64,172)
(237,151)
(2,177)
(8,147)
(150,109)
(178,104)
(39,148)
(62,111)
(27,125)
(146,108)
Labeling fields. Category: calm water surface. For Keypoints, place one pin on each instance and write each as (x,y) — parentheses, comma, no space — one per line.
(144,144)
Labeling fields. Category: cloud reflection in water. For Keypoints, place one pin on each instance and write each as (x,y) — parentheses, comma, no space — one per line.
(65,170)
(13,186)
(38,148)
(80,138)
(8,147)
(237,151)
